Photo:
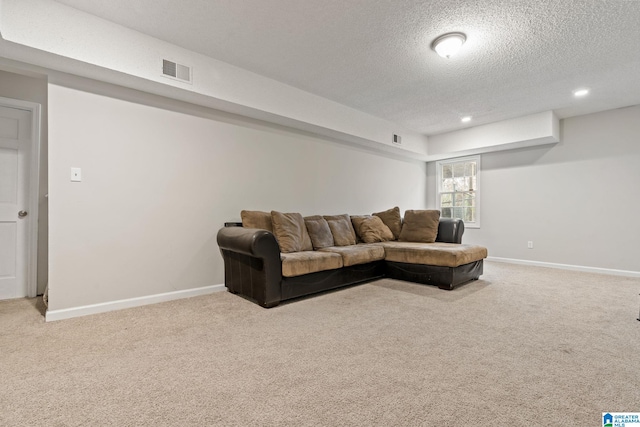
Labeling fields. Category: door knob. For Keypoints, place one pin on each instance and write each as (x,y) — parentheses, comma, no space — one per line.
(22,214)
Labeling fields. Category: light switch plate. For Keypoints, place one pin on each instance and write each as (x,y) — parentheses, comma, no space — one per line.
(76,174)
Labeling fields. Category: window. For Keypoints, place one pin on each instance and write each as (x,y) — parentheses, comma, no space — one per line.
(459,189)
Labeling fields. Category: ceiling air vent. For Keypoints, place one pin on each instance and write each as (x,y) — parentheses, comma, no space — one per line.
(176,71)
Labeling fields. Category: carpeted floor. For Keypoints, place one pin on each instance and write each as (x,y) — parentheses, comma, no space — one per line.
(523,346)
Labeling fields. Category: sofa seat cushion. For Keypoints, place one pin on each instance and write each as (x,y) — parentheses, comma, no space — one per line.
(357,254)
(441,254)
(305,262)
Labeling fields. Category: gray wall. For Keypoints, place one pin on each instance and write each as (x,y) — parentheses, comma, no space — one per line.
(161,177)
(576,200)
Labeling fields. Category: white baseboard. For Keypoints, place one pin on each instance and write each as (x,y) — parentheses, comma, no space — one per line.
(68,313)
(626,273)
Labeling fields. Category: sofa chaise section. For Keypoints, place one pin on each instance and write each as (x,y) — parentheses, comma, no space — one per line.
(445,265)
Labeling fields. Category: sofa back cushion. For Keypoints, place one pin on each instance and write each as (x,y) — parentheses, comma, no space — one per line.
(392,219)
(420,226)
(291,232)
(256,219)
(319,231)
(342,230)
(371,229)
(356,222)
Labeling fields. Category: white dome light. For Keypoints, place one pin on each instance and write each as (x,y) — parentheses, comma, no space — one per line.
(465,119)
(448,44)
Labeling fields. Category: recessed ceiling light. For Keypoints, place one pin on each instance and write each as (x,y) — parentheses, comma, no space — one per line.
(580,92)
(465,119)
(448,44)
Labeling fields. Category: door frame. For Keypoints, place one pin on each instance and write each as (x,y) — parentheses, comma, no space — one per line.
(33,188)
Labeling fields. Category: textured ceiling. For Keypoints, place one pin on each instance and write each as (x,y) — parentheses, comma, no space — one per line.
(521,57)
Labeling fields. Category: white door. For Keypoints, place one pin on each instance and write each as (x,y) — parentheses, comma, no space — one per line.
(15,147)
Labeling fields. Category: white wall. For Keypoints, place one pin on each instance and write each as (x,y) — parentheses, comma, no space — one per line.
(32,89)
(158,184)
(576,200)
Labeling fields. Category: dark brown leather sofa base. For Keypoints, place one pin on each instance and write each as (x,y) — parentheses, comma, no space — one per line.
(294,287)
(442,277)
(447,278)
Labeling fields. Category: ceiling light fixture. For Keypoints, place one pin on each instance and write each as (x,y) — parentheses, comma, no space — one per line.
(465,119)
(448,44)
(580,92)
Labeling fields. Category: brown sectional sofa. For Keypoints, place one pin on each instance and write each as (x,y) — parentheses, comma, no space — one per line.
(273,257)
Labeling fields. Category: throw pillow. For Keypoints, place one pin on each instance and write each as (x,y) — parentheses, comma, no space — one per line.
(342,230)
(392,219)
(319,231)
(420,226)
(290,232)
(356,222)
(256,219)
(373,230)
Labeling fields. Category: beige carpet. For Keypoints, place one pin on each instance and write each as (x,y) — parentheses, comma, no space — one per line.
(524,346)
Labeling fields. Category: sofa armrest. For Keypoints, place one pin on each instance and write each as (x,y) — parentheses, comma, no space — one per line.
(450,230)
(249,241)
(252,265)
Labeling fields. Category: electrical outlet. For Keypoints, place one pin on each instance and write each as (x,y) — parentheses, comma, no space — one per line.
(530,244)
